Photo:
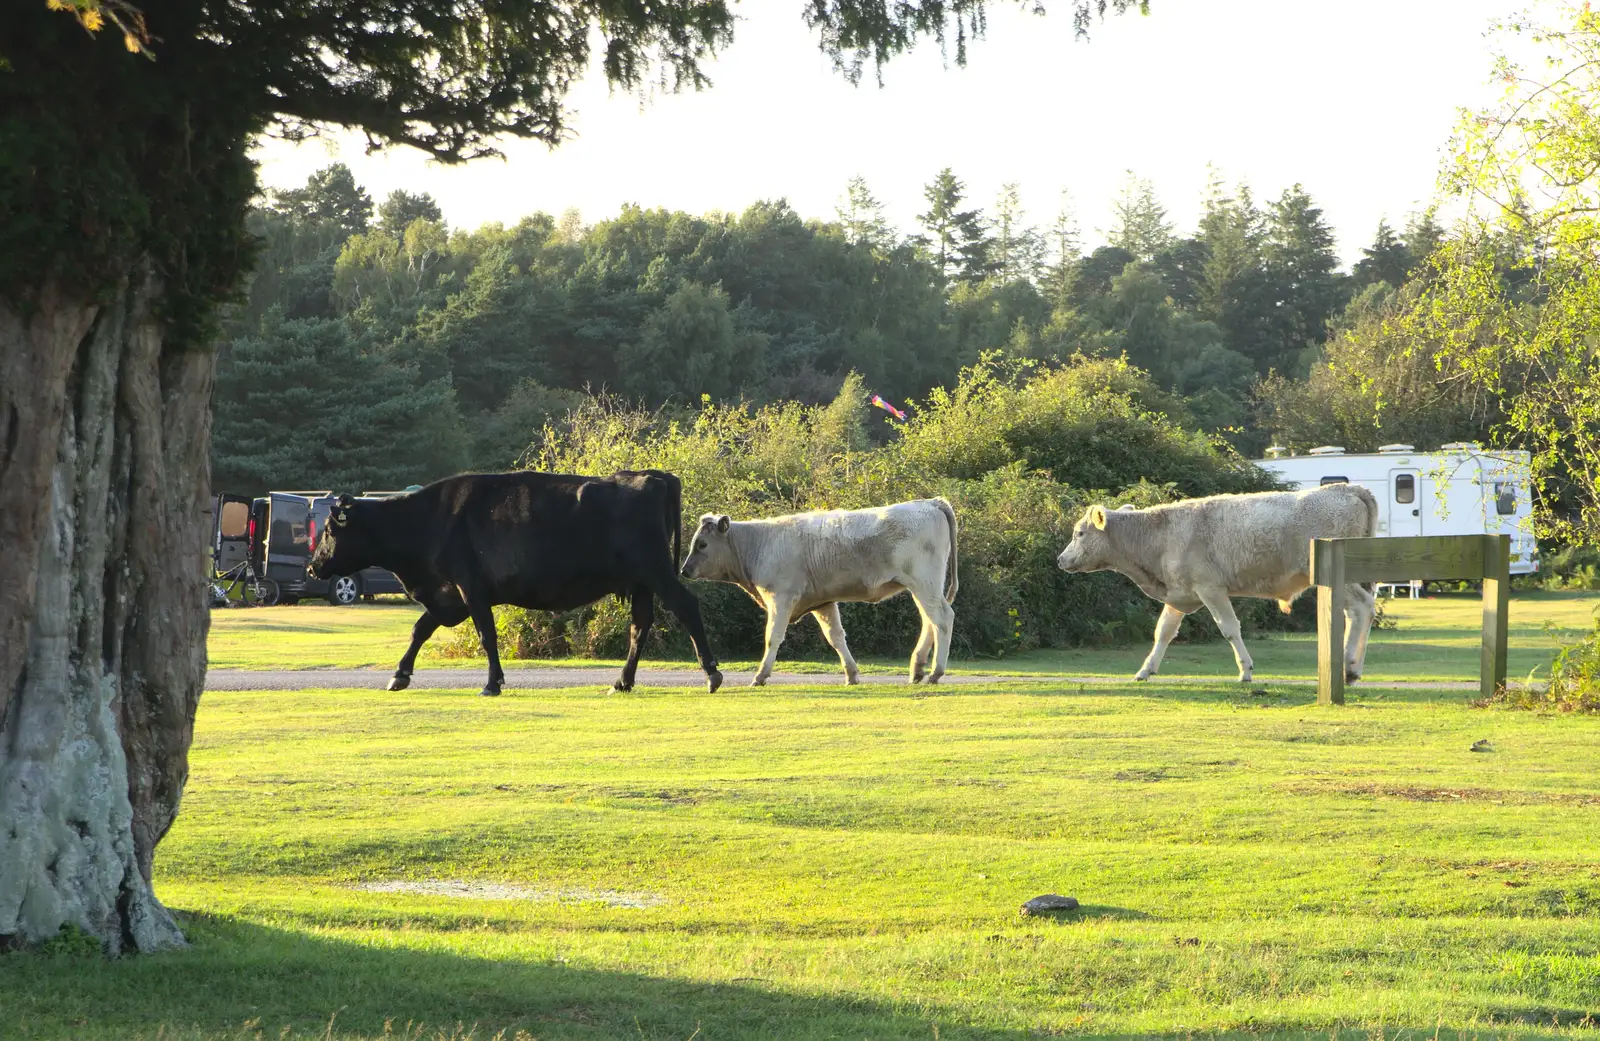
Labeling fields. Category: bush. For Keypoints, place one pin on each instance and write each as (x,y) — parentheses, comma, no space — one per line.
(1574,681)
(1019,452)
(1571,567)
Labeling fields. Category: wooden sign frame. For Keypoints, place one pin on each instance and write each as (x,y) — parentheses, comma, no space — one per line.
(1338,562)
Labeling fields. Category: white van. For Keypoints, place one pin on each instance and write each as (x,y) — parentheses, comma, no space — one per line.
(1458,490)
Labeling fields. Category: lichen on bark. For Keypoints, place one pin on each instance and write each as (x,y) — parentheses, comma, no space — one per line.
(95,733)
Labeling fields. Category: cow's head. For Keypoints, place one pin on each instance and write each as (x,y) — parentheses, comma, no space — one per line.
(711,555)
(344,542)
(1090,548)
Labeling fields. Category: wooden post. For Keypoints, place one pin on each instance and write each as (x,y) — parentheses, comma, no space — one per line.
(1327,571)
(1496,604)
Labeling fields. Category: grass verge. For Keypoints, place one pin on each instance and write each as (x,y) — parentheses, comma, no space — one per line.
(827,863)
(1435,639)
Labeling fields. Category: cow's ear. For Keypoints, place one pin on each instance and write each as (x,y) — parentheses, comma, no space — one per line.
(1097,517)
(346,501)
(722,524)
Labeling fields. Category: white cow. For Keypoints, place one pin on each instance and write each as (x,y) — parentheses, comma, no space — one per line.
(813,561)
(1203,551)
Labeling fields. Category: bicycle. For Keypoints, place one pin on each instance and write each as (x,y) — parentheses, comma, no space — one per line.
(240,586)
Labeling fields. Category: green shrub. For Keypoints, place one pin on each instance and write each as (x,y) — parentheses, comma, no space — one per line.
(520,633)
(1574,681)
(1571,567)
(1019,452)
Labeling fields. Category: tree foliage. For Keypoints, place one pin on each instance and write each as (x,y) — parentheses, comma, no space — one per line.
(665,307)
(1515,301)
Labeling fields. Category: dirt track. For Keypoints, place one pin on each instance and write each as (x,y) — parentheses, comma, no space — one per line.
(530,679)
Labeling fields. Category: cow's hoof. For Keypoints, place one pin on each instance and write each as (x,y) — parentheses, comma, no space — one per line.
(621,687)
(713,681)
(933,677)
(759,681)
(400,681)
(489,692)
(1140,677)
(851,679)
(1351,677)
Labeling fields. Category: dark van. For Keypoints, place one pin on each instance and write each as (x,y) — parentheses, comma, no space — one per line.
(292,521)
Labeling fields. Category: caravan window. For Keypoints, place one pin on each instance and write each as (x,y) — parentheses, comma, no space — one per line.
(1335,480)
(1405,488)
(1505,497)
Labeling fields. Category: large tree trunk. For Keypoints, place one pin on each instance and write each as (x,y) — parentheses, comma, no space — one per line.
(104,515)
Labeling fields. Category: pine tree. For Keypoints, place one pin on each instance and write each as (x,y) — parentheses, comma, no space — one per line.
(861,216)
(1139,221)
(330,196)
(1387,260)
(955,241)
(396,212)
(1064,252)
(1017,250)
(1423,238)
(1234,292)
(279,426)
(1301,266)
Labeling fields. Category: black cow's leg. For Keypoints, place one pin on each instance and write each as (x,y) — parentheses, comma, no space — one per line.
(686,609)
(425,627)
(483,619)
(644,616)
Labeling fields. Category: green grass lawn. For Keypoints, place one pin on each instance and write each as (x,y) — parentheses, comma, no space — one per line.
(848,863)
(1435,639)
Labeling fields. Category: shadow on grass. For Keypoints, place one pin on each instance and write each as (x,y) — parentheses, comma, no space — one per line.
(241,978)
(244,980)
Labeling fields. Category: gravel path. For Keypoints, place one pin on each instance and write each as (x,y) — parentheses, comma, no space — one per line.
(548,677)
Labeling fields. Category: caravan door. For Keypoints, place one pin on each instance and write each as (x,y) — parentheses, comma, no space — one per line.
(1405,503)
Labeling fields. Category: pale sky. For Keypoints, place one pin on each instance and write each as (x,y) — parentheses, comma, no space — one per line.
(1355,99)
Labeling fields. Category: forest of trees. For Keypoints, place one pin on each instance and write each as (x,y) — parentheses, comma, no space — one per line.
(378,346)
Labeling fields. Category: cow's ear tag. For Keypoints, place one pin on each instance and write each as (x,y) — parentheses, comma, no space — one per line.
(1097,517)
(341,517)
(722,524)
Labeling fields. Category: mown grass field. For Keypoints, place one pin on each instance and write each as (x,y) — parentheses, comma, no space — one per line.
(848,863)
(1434,639)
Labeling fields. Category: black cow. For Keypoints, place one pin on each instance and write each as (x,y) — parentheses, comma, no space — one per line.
(546,541)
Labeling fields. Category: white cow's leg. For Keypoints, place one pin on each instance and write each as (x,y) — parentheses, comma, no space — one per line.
(1221,609)
(1361,606)
(939,617)
(832,627)
(778,611)
(1166,629)
(923,652)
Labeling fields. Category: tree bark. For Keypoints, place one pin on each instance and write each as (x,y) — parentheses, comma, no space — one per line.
(100,692)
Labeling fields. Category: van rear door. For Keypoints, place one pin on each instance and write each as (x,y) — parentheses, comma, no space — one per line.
(230,536)
(288,537)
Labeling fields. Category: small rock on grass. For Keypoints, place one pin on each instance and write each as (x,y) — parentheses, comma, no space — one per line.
(1481,746)
(1049,902)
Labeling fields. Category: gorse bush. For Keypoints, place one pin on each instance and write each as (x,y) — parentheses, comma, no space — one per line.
(1020,452)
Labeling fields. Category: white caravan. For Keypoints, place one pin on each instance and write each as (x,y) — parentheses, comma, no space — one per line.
(1458,490)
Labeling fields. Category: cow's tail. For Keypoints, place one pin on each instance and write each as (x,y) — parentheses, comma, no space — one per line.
(1370,501)
(675,517)
(952,580)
